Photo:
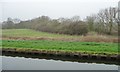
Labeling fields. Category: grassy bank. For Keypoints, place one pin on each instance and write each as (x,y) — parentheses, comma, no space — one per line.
(87,47)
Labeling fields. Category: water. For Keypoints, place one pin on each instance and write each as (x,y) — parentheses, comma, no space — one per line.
(22,63)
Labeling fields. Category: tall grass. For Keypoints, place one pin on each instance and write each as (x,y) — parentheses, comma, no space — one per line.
(27,34)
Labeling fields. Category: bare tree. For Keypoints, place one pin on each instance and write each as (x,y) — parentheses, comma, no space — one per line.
(107,19)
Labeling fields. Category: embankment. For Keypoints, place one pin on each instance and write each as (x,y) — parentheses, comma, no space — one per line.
(77,55)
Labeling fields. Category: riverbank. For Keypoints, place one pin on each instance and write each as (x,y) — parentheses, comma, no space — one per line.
(81,50)
(29,41)
(61,58)
(87,50)
(58,54)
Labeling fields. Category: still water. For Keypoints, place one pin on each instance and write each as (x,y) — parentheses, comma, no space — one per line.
(22,63)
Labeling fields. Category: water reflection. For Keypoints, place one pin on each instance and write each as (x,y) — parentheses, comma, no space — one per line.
(71,59)
(21,63)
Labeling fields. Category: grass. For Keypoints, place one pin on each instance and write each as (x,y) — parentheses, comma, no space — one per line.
(28,34)
(31,33)
(88,47)
(31,39)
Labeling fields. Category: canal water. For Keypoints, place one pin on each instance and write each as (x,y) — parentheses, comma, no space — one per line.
(22,63)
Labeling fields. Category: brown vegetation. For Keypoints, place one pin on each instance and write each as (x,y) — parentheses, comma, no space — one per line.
(95,38)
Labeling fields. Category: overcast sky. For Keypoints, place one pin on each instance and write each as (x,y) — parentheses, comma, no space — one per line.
(29,9)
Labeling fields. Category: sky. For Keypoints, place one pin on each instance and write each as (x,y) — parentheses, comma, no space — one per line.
(29,9)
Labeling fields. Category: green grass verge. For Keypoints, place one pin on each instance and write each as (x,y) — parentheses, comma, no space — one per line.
(88,47)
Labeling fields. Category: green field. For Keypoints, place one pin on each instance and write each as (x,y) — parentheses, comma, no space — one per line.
(88,47)
(28,34)
(32,33)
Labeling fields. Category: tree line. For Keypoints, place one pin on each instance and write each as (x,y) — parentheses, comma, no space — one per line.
(104,22)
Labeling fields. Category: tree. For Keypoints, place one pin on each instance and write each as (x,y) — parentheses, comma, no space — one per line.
(106,20)
(8,24)
(90,21)
(75,18)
